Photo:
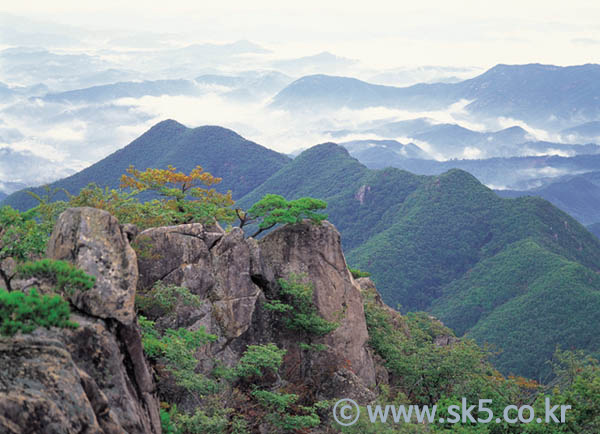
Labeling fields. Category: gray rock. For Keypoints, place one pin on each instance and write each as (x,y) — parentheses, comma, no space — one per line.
(93,240)
(316,251)
(41,390)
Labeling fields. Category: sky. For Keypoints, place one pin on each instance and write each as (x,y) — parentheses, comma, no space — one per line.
(383,34)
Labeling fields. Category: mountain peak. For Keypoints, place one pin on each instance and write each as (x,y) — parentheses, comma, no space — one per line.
(325,150)
(168,123)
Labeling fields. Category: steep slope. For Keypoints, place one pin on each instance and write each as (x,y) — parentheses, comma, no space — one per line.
(422,237)
(527,299)
(242,164)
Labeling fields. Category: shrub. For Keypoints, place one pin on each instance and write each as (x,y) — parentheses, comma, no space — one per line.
(20,312)
(280,411)
(162,299)
(176,349)
(297,308)
(257,359)
(356,273)
(65,277)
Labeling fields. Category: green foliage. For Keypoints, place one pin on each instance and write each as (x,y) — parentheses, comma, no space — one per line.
(423,370)
(258,359)
(567,300)
(167,423)
(125,206)
(65,277)
(280,405)
(24,313)
(201,422)
(576,383)
(356,273)
(312,347)
(179,199)
(273,209)
(21,238)
(162,299)
(181,195)
(296,307)
(177,348)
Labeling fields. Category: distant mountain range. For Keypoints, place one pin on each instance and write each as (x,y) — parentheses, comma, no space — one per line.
(454,141)
(377,151)
(543,95)
(517,173)
(109,92)
(323,62)
(589,131)
(511,272)
(248,85)
(578,195)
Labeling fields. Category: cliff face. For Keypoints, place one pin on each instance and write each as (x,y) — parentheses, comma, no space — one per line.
(95,378)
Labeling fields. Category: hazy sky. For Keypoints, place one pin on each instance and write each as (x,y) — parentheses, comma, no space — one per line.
(381,33)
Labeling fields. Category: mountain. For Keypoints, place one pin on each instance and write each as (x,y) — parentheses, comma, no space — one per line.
(578,195)
(379,151)
(517,173)
(109,92)
(423,237)
(406,76)
(454,141)
(2,195)
(242,164)
(584,132)
(543,95)
(595,229)
(329,92)
(247,85)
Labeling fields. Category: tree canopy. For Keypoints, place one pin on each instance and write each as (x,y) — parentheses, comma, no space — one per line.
(274,209)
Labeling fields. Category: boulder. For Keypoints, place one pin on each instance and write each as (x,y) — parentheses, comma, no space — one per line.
(93,240)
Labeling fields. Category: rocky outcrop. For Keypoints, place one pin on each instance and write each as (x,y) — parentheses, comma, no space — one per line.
(93,378)
(316,251)
(235,276)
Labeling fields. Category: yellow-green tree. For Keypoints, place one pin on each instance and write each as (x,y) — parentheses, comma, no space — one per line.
(183,194)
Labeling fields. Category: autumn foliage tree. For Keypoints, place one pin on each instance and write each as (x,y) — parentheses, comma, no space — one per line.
(183,194)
